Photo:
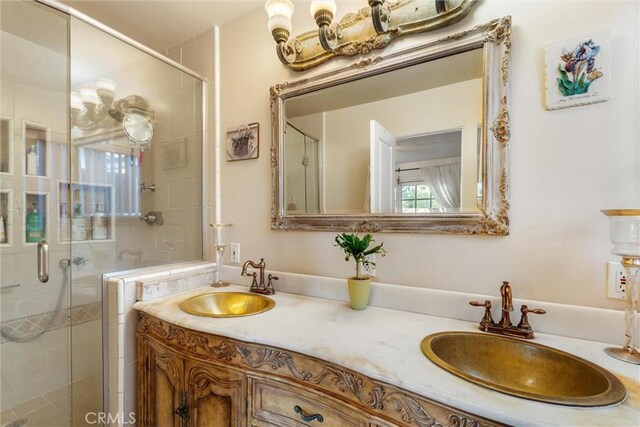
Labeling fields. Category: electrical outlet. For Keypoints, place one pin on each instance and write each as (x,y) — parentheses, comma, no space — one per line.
(371,271)
(616,280)
(235,253)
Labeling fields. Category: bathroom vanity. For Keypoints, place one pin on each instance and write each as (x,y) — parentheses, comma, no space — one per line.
(203,379)
(309,359)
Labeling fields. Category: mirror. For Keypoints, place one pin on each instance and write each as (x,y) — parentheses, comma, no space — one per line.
(405,141)
(138,127)
(415,141)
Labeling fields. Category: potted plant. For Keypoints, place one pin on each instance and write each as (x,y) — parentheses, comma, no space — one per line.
(358,249)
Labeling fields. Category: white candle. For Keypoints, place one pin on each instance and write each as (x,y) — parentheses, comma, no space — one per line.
(218,138)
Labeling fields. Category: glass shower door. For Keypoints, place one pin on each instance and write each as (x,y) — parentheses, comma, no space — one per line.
(35,313)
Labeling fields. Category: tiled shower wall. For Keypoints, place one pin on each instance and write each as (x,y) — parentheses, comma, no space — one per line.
(197,54)
(174,164)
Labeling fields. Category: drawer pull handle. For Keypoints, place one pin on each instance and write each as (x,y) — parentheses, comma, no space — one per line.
(307,418)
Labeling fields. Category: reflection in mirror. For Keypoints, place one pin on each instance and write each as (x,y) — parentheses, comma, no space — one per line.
(413,140)
(303,173)
(401,142)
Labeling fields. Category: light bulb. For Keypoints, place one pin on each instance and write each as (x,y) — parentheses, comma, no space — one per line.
(104,84)
(280,12)
(89,96)
(279,22)
(322,5)
(279,8)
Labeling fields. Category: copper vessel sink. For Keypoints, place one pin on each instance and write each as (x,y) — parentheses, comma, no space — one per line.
(227,304)
(523,369)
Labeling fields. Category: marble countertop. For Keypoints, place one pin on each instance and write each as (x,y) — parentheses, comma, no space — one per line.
(385,344)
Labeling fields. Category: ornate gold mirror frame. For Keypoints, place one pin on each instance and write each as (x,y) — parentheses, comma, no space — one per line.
(493,218)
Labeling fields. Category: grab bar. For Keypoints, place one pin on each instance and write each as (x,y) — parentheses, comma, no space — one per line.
(43,261)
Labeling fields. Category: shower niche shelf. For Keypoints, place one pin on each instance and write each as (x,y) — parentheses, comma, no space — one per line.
(36,149)
(6,145)
(95,220)
(35,223)
(6,217)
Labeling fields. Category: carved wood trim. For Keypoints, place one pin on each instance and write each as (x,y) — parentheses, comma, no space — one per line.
(375,397)
(493,218)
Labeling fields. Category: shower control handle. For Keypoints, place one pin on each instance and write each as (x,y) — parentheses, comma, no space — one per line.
(43,261)
(153,218)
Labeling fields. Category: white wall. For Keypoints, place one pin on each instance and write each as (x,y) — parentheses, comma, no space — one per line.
(566,165)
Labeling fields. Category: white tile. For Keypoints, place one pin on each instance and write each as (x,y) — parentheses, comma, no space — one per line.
(121,371)
(129,290)
(121,399)
(121,337)
(130,386)
(120,296)
(130,341)
(114,359)
(112,301)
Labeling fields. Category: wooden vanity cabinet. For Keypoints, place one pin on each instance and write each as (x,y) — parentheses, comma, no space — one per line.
(180,392)
(216,396)
(193,379)
(163,386)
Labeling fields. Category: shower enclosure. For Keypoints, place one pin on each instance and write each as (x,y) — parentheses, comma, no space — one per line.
(302,181)
(95,133)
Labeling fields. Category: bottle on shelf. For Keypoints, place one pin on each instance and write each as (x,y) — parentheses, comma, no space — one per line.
(3,234)
(34,225)
(99,229)
(78,225)
(32,160)
(65,222)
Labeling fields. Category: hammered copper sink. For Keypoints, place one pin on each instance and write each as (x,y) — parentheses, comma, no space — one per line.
(227,304)
(523,369)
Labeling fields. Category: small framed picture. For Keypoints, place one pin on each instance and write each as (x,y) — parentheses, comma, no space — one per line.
(243,143)
(578,70)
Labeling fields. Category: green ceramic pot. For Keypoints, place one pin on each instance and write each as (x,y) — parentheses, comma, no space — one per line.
(359,293)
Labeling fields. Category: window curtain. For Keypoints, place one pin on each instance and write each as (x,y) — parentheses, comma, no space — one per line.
(444,183)
(120,170)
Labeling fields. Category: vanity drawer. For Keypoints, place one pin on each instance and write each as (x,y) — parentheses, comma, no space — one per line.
(287,405)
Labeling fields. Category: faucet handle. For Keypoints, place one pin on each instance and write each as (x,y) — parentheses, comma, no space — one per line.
(486,319)
(80,260)
(269,288)
(524,320)
(254,282)
(480,304)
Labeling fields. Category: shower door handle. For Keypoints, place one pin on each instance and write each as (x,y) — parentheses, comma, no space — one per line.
(43,261)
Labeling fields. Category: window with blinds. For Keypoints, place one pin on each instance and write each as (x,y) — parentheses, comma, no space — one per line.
(120,170)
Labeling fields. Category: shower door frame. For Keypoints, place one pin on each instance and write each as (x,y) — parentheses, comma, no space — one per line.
(73,13)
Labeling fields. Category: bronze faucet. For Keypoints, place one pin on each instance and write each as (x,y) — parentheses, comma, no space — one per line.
(259,288)
(504,326)
(507,304)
